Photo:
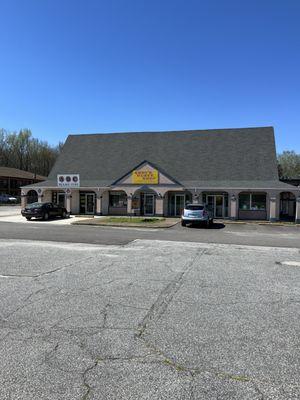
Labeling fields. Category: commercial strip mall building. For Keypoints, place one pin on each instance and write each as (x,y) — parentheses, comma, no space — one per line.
(234,171)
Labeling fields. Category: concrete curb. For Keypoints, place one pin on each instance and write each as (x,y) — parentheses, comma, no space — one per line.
(220,221)
(125,225)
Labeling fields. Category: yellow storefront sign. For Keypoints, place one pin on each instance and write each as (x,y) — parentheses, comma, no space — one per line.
(145,177)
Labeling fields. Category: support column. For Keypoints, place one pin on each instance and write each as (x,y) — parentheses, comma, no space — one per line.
(68,202)
(159,206)
(272,208)
(68,196)
(200,198)
(129,205)
(99,204)
(297,220)
(233,203)
(23,199)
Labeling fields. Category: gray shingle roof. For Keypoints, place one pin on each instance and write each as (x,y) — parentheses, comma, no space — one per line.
(245,185)
(190,157)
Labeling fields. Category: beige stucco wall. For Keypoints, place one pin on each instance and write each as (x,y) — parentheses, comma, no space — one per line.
(166,200)
(47,196)
(105,203)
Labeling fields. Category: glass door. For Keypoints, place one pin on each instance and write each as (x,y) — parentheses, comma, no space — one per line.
(219,204)
(179,204)
(148,204)
(90,203)
(215,203)
(61,199)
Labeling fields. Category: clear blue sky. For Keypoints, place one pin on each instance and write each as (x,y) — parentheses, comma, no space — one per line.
(87,66)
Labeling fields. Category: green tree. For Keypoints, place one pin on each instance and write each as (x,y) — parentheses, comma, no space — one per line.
(289,164)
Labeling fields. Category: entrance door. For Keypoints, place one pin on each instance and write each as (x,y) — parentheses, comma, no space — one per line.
(216,204)
(219,204)
(89,202)
(179,204)
(148,204)
(61,199)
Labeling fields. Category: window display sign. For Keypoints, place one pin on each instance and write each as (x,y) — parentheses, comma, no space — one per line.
(135,204)
(68,180)
(145,177)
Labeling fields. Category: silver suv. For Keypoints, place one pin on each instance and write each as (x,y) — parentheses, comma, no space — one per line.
(196,213)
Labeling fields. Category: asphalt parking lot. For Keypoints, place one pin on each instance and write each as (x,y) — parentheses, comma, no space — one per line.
(148,320)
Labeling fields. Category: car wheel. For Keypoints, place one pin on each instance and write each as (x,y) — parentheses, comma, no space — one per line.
(64,214)
(183,223)
(28,218)
(207,224)
(211,222)
(46,216)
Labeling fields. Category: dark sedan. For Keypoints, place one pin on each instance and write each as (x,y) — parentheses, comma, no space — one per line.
(44,211)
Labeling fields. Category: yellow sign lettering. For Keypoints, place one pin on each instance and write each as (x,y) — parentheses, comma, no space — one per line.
(145,177)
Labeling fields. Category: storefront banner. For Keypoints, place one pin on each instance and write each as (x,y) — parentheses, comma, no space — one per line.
(68,180)
(145,177)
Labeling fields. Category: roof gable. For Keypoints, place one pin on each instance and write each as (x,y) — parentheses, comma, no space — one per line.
(138,176)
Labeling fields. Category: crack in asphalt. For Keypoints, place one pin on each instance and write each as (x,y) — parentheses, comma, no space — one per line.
(166,295)
(192,386)
(156,311)
(105,311)
(25,301)
(48,272)
(85,382)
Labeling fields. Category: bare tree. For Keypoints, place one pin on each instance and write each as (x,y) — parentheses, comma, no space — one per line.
(21,150)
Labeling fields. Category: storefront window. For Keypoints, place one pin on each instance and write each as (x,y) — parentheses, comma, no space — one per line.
(252,202)
(244,201)
(258,202)
(118,200)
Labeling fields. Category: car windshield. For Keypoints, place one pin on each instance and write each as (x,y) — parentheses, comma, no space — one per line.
(195,207)
(35,205)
